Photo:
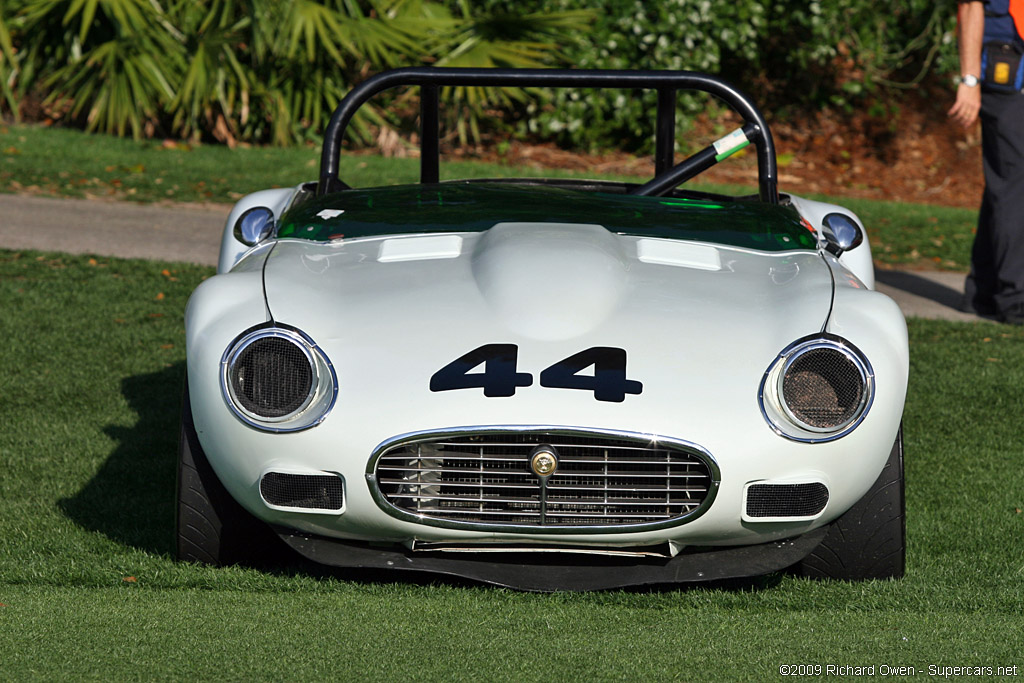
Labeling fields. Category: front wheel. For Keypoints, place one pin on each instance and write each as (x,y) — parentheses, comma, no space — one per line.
(868,540)
(212,528)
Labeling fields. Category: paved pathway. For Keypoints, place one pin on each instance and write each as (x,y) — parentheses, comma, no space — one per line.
(126,229)
(192,234)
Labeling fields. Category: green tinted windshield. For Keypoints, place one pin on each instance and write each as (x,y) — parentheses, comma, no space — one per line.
(475,207)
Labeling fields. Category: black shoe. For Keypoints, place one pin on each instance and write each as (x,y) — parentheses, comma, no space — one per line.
(1013,315)
(980,306)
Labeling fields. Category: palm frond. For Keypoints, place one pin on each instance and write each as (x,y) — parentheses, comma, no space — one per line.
(314,28)
(502,39)
(8,64)
(254,69)
(213,81)
(129,16)
(385,43)
(119,84)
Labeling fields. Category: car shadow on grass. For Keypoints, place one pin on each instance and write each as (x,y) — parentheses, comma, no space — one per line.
(919,285)
(131,498)
(929,294)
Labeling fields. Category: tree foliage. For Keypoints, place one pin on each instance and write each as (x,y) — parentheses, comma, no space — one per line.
(255,70)
(788,54)
(273,70)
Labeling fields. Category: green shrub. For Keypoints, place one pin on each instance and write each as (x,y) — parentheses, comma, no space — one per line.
(632,34)
(841,52)
(786,53)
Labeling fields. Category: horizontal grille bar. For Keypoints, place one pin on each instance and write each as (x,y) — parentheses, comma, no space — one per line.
(458,461)
(600,480)
(579,516)
(561,445)
(551,487)
(512,499)
(461,471)
(581,461)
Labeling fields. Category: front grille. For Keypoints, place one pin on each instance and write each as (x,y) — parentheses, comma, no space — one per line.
(601,480)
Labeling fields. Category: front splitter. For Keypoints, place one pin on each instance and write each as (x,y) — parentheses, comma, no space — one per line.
(564,572)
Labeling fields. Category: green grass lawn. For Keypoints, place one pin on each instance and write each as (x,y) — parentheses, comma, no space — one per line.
(60,162)
(91,378)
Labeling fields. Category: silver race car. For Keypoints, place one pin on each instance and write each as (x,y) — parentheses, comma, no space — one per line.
(547,384)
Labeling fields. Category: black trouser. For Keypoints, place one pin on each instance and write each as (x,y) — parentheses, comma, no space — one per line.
(996,282)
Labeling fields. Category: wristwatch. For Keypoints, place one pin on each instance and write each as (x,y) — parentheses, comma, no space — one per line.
(970,80)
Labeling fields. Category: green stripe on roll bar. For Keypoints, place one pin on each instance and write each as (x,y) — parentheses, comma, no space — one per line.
(730,144)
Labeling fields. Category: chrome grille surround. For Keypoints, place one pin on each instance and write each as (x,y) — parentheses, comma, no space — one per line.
(479,478)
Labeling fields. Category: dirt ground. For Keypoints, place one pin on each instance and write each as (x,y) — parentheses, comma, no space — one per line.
(918,155)
(912,154)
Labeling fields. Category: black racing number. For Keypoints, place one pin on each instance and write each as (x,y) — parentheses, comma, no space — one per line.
(608,382)
(499,377)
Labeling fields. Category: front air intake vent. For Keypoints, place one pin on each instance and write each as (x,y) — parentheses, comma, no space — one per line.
(785,501)
(316,492)
(543,480)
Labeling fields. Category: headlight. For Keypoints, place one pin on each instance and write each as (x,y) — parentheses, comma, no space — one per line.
(277,379)
(818,389)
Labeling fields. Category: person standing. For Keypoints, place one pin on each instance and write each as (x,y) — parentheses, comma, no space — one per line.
(991,41)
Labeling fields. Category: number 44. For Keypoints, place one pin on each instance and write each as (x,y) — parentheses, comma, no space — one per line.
(501,378)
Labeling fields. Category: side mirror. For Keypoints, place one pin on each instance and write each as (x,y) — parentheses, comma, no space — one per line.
(254,226)
(841,233)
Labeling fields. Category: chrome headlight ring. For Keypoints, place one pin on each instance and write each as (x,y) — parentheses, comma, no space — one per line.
(276,379)
(818,389)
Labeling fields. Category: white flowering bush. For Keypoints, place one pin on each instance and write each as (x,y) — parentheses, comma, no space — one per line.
(633,34)
(785,53)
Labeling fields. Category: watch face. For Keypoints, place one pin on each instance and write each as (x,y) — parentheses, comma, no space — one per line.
(970,81)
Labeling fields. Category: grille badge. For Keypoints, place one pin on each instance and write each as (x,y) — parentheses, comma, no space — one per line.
(544,461)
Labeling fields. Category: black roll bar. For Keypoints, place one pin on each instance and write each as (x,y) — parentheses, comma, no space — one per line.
(666,83)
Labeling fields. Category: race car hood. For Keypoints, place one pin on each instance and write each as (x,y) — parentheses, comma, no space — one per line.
(398,309)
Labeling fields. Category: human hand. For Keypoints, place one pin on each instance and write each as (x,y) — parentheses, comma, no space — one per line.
(967,105)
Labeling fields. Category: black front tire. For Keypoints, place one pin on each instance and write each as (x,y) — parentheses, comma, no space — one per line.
(869,540)
(212,528)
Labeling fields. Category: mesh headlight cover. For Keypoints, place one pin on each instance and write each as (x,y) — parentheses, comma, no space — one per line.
(823,388)
(818,389)
(271,375)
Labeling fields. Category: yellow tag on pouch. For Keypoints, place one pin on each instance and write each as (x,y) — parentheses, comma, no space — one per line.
(1002,73)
